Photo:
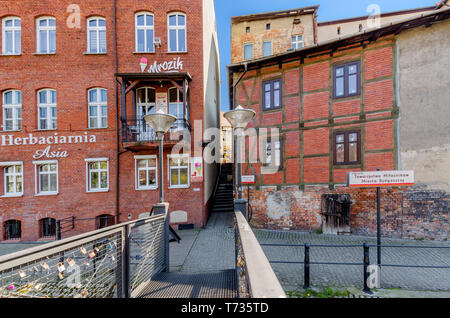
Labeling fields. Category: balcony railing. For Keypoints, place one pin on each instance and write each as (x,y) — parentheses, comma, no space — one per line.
(137,131)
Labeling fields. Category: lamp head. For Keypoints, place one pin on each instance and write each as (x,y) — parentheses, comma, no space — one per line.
(239,117)
(160,121)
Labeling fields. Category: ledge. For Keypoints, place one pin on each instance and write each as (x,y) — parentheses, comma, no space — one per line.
(36,53)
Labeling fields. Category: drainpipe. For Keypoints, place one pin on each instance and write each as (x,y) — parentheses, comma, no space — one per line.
(117,117)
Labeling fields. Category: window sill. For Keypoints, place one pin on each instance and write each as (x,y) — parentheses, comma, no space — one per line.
(19,195)
(147,189)
(98,191)
(53,129)
(139,53)
(93,53)
(179,187)
(182,52)
(10,131)
(16,54)
(36,53)
(97,128)
(46,194)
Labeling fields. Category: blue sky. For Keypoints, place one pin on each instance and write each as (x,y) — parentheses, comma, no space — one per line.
(329,10)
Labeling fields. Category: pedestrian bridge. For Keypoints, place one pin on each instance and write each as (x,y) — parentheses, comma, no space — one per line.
(131,260)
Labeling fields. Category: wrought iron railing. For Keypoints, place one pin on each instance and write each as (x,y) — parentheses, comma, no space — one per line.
(137,130)
(117,261)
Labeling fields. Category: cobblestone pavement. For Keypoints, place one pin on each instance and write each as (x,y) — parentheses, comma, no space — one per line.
(212,248)
(291,275)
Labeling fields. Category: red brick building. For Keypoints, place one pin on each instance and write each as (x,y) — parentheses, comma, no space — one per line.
(335,107)
(76,81)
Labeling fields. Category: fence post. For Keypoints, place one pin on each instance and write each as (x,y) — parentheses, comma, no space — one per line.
(306,267)
(366,267)
(126,262)
(58,230)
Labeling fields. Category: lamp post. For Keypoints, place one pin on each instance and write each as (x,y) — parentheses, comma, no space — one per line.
(160,123)
(239,119)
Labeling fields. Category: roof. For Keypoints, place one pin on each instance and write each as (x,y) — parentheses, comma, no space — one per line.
(356,38)
(275,14)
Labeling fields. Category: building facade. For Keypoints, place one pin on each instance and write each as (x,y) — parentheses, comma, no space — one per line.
(338,107)
(76,82)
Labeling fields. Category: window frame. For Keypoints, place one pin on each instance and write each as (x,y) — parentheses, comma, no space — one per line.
(37,173)
(49,109)
(48,29)
(346,144)
(88,161)
(99,104)
(17,223)
(4,166)
(145,28)
(179,167)
(178,124)
(43,228)
(346,77)
(138,187)
(267,165)
(253,51)
(297,42)
(14,29)
(272,94)
(271,49)
(97,30)
(177,28)
(15,106)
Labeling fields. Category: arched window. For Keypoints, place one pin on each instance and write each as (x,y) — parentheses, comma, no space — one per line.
(96,35)
(47,109)
(11,36)
(13,230)
(176,27)
(104,220)
(98,108)
(46,35)
(12,110)
(47,227)
(144,26)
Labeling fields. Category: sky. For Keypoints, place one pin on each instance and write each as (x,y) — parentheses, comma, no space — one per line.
(329,10)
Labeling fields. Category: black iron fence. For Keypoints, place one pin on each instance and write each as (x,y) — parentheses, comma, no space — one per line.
(137,130)
(116,261)
(367,275)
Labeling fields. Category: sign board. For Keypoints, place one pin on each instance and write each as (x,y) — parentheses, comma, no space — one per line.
(161,101)
(197,169)
(380,179)
(248,179)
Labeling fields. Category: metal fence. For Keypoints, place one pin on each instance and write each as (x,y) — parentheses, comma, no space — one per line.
(137,130)
(116,261)
(366,273)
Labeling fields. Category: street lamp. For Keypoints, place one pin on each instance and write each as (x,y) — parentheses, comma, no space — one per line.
(239,119)
(160,123)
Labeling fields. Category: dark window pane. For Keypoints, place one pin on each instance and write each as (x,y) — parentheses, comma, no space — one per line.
(353,152)
(340,153)
(340,86)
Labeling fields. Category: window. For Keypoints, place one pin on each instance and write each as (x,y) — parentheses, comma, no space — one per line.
(13,230)
(247,30)
(360,28)
(47,177)
(338,30)
(268,26)
(177,32)
(103,221)
(11,36)
(273,152)
(179,171)
(97,175)
(12,110)
(144,32)
(248,51)
(176,107)
(267,48)
(347,148)
(47,109)
(296,42)
(146,172)
(272,94)
(96,34)
(13,175)
(98,108)
(46,35)
(347,80)
(47,227)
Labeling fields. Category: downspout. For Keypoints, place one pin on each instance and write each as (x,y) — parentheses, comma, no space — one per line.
(117,117)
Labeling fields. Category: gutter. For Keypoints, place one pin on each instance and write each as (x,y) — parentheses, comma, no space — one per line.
(117,117)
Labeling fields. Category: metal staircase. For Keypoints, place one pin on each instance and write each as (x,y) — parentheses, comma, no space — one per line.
(223,200)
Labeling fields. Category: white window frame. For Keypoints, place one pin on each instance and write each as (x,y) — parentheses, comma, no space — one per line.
(14,29)
(99,171)
(37,174)
(137,169)
(47,29)
(15,174)
(99,104)
(253,51)
(97,30)
(15,106)
(295,43)
(179,105)
(145,28)
(49,106)
(177,28)
(183,186)
(271,49)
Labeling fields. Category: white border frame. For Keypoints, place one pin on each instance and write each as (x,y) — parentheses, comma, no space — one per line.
(188,185)
(13,29)
(97,29)
(46,28)
(136,176)
(89,160)
(145,28)
(36,177)
(15,107)
(8,164)
(177,27)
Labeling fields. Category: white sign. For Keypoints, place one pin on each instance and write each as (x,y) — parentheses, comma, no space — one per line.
(380,179)
(175,65)
(197,169)
(248,179)
(161,101)
(11,140)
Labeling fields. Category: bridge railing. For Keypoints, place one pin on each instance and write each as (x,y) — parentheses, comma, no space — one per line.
(113,262)
(255,276)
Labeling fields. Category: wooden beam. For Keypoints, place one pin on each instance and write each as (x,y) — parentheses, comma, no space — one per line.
(133,85)
(177,86)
